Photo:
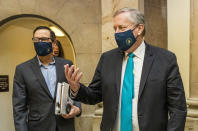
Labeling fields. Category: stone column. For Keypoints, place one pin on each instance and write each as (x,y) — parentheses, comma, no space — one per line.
(179,36)
(192,117)
(97,118)
(192,102)
(182,41)
(155,12)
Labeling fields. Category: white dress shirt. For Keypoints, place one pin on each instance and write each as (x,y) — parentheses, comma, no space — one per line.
(138,64)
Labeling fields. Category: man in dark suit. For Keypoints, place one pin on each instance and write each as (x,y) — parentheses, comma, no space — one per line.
(139,84)
(34,90)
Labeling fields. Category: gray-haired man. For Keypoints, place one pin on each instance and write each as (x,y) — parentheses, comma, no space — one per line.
(139,84)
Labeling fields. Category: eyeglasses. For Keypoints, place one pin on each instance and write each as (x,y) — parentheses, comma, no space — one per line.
(43,39)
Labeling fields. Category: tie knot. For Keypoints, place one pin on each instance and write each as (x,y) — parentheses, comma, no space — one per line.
(131,55)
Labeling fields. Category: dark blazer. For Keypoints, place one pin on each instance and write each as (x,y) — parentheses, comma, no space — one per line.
(33,105)
(161,90)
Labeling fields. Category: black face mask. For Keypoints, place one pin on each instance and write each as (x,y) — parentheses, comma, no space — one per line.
(43,48)
(125,39)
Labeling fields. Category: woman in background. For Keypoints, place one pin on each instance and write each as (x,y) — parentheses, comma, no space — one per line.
(57,49)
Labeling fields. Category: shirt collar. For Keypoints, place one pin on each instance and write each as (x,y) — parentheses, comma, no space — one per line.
(139,52)
(41,64)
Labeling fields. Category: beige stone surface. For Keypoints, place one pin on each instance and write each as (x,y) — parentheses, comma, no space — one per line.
(97,119)
(191,124)
(11,4)
(9,8)
(156,22)
(87,38)
(96,123)
(192,119)
(8,12)
(193,49)
(194,90)
(28,6)
(179,37)
(194,64)
(80,11)
(44,7)
(89,109)
(156,38)
(108,39)
(87,63)
(84,123)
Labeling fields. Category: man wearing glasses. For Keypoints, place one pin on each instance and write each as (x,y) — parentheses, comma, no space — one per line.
(35,88)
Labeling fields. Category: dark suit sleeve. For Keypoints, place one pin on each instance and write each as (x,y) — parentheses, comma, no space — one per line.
(19,102)
(176,98)
(93,93)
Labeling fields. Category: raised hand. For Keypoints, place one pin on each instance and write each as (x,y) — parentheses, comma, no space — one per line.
(73,77)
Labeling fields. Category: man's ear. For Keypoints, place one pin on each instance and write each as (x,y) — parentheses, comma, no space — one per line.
(140,29)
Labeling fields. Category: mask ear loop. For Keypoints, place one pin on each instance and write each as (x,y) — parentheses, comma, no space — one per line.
(138,32)
(134,29)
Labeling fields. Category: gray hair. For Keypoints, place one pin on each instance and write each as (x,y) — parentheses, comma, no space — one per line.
(135,16)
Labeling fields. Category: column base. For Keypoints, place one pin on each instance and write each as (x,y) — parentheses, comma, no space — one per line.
(192,115)
(97,119)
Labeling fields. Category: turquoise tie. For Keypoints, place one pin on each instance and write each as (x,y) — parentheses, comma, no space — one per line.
(127,96)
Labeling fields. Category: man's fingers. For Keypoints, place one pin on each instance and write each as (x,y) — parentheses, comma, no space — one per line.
(78,77)
(65,116)
(71,113)
(75,73)
(70,70)
(71,104)
(66,70)
(70,75)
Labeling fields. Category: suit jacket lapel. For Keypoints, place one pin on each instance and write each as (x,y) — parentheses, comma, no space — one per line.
(37,71)
(118,65)
(148,60)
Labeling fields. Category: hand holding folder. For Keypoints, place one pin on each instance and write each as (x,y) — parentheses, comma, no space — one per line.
(62,105)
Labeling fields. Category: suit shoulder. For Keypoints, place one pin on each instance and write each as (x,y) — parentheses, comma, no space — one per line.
(161,52)
(25,64)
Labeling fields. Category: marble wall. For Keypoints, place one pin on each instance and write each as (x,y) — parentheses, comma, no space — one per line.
(192,101)
(179,36)
(193,49)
